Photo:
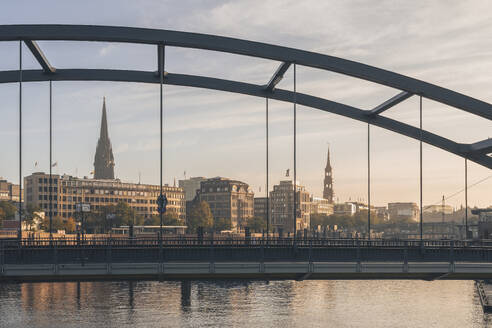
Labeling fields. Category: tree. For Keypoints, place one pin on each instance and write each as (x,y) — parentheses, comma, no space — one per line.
(8,209)
(2,215)
(57,224)
(69,225)
(200,216)
(256,224)
(123,214)
(168,219)
(319,219)
(31,216)
(222,224)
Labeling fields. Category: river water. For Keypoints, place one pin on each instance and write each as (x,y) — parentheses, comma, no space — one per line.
(282,304)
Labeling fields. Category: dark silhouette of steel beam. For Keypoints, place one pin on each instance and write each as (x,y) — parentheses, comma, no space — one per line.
(463,150)
(277,76)
(484,146)
(160,52)
(40,57)
(247,48)
(393,101)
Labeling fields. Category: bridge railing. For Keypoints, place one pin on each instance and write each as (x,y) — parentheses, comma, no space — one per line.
(185,241)
(185,248)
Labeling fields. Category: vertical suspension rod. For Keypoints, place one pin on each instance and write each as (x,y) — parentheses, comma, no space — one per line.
(267,171)
(466,198)
(295,150)
(20,141)
(161,76)
(369,180)
(421,206)
(51,162)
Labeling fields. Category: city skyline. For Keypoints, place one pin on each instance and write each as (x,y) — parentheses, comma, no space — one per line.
(218,134)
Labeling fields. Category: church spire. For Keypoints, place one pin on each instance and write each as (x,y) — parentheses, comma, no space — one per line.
(328,181)
(104,160)
(104,122)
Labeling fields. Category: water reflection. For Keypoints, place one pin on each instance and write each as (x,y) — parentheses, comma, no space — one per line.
(242,304)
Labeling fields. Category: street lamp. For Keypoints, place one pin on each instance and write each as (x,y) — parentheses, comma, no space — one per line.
(82,208)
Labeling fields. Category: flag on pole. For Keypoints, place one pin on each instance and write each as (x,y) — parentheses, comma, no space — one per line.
(35,164)
(287,172)
(54,164)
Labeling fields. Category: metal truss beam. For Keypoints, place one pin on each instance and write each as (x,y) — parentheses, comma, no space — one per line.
(463,150)
(277,76)
(40,57)
(248,48)
(484,146)
(160,53)
(393,101)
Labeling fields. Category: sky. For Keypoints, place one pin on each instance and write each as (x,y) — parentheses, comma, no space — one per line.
(212,133)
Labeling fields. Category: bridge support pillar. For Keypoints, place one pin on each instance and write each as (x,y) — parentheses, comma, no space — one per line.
(405,258)
(185,292)
(358,266)
(109,259)
(2,259)
(451,256)
(55,259)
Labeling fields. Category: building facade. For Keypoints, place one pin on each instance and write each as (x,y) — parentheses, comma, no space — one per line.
(447,209)
(191,186)
(9,191)
(403,211)
(261,208)
(67,191)
(228,199)
(282,207)
(321,206)
(345,209)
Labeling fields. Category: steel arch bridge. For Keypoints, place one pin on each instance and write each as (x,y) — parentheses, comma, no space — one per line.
(478,152)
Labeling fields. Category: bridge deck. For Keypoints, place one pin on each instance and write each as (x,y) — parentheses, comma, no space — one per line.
(246,270)
(192,258)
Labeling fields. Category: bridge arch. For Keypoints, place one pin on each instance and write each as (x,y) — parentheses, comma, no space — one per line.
(476,152)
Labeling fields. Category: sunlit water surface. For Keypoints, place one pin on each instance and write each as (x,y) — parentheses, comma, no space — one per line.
(243,304)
